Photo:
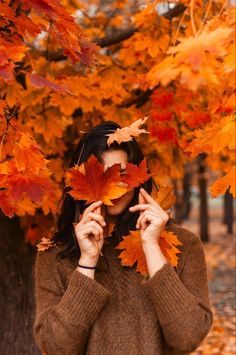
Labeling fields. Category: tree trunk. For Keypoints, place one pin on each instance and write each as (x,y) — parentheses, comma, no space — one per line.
(16,290)
(203,200)
(228,211)
(186,194)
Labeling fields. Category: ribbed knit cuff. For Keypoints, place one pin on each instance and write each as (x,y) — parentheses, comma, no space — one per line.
(166,291)
(83,299)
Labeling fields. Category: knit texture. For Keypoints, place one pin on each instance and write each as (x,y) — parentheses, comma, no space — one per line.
(121,312)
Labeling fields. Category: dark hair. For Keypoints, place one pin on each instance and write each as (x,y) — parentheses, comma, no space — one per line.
(95,142)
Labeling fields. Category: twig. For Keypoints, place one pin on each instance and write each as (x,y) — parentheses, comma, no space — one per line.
(205,16)
(177,31)
(1,144)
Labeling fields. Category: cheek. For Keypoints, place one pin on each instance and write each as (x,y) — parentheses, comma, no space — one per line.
(129,196)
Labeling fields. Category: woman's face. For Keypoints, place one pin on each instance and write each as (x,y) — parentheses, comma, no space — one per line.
(110,158)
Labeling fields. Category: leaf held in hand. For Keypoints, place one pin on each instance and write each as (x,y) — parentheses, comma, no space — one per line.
(91,183)
(136,175)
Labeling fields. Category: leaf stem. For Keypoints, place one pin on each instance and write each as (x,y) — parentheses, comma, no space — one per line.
(192,18)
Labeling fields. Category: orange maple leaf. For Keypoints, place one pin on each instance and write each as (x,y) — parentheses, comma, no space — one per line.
(220,186)
(133,250)
(28,155)
(91,183)
(164,197)
(168,242)
(126,134)
(45,244)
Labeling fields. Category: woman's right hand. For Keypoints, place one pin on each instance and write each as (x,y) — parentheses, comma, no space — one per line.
(89,232)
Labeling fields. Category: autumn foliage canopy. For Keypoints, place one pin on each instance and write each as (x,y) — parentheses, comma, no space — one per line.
(66,66)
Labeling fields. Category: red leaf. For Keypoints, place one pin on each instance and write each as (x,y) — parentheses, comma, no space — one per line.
(91,183)
(136,175)
(40,82)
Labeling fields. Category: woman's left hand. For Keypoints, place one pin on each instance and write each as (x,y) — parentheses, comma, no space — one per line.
(152,219)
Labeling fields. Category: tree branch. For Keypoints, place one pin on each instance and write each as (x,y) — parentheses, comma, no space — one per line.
(115,38)
(118,37)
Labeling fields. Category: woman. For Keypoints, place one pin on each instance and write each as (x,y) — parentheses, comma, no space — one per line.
(88,303)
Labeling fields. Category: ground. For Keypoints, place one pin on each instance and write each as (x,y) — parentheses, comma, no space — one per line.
(220,259)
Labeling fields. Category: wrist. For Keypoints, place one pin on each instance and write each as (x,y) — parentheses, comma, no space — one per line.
(88,260)
(150,246)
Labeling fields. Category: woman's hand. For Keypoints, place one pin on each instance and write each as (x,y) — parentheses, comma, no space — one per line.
(152,219)
(89,232)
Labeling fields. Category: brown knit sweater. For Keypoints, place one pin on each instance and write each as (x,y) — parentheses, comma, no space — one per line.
(122,312)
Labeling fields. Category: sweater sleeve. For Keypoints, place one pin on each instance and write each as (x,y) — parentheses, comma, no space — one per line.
(63,318)
(182,302)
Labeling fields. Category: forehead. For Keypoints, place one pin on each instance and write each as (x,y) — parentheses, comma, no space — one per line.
(111,157)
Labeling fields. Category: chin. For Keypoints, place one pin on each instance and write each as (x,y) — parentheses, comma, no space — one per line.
(115,210)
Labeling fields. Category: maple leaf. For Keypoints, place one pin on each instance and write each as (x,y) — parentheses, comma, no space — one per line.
(168,242)
(164,134)
(133,250)
(197,118)
(220,186)
(136,175)
(126,134)
(164,197)
(195,59)
(91,183)
(214,137)
(34,186)
(28,155)
(41,82)
(44,244)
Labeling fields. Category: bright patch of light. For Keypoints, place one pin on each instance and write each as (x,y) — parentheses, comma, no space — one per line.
(163,7)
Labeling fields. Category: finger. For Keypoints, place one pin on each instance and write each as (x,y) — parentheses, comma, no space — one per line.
(94,216)
(92,225)
(141,199)
(93,206)
(140,207)
(150,199)
(146,196)
(98,210)
(152,217)
(146,218)
(92,231)
(96,225)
